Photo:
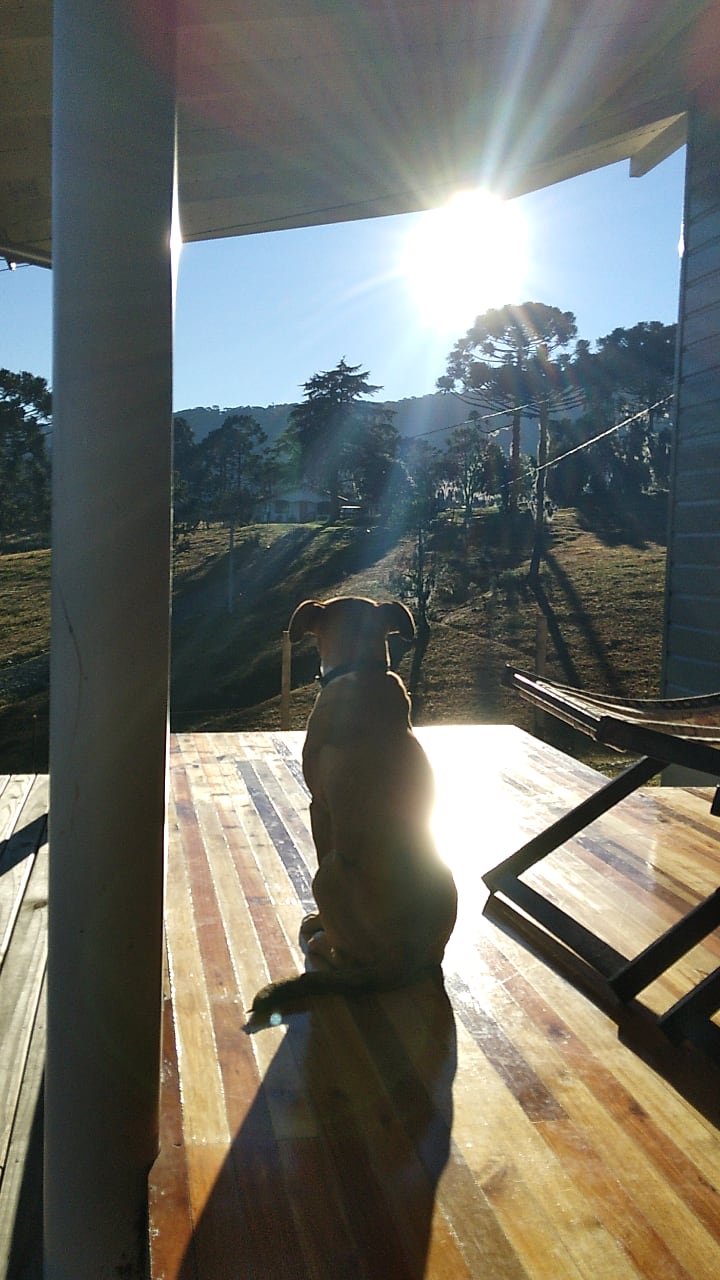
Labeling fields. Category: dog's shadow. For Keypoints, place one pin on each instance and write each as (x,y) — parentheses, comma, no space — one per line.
(334,1170)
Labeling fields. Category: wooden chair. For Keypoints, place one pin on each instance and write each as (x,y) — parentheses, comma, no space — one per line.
(681,731)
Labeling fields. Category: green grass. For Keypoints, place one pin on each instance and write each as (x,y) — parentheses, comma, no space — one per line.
(603,581)
(24,605)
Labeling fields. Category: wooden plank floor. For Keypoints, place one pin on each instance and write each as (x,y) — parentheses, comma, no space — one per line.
(507,1129)
(23,955)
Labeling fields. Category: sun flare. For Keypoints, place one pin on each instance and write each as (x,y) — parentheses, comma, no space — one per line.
(464,258)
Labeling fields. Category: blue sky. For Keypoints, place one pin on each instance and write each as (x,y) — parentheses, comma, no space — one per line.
(257,316)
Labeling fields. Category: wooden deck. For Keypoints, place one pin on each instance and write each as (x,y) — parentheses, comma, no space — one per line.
(510,1129)
(23,952)
(504,1131)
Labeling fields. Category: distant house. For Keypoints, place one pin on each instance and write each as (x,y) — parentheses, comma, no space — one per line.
(297,506)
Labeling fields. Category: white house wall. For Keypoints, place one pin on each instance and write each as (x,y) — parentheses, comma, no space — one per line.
(692,625)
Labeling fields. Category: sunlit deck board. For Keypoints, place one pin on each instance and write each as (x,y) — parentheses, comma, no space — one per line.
(506,1131)
(23,954)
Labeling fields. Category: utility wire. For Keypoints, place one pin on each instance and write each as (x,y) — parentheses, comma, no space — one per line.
(618,426)
(502,413)
(586,444)
(486,417)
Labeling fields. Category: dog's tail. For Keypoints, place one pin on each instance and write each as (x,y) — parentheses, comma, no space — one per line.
(288,993)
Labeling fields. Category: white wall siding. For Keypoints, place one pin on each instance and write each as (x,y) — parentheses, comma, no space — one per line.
(692,621)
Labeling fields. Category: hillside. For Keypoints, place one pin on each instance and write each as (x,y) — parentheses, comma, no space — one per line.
(603,579)
(430,415)
(604,586)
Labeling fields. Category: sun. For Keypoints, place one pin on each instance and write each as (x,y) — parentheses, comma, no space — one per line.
(462,259)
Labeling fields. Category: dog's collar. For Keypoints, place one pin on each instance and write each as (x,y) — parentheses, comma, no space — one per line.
(326,677)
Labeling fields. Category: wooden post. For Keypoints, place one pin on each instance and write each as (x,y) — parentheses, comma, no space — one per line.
(113,191)
(285,681)
(541,639)
(539,539)
(515,461)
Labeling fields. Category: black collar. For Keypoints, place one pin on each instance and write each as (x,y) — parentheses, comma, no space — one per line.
(325,678)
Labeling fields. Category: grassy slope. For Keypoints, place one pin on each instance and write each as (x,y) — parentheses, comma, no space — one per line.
(24,605)
(604,587)
(24,652)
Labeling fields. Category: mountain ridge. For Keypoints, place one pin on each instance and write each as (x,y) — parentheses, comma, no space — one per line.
(432,415)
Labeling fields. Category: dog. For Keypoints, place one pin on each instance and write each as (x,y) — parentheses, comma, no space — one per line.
(386,902)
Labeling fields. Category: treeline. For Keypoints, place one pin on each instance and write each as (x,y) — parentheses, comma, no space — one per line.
(25,416)
(603,418)
(337,447)
(606,414)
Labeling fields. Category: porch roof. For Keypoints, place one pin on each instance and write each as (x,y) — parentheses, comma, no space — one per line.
(300,113)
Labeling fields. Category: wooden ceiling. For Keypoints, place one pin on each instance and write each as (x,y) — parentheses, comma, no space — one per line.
(298,112)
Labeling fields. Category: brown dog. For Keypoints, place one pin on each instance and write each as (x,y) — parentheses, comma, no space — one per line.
(386,901)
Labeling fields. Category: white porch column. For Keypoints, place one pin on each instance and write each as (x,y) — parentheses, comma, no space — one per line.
(113,170)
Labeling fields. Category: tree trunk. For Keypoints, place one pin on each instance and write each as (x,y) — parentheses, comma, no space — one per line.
(540,493)
(515,462)
(422,632)
(422,640)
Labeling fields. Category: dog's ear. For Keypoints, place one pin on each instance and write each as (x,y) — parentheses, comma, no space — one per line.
(398,619)
(305,620)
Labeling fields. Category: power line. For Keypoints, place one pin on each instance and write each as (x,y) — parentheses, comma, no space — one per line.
(618,426)
(501,413)
(586,444)
(486,417)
